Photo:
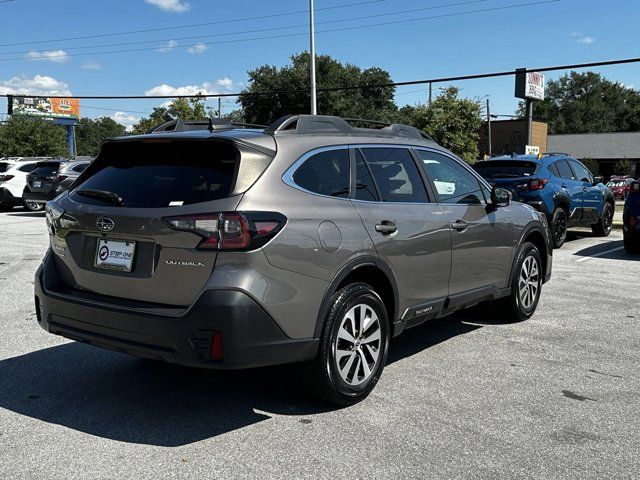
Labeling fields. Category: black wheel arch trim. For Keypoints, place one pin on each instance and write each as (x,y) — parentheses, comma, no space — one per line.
(528,230)
(364,261)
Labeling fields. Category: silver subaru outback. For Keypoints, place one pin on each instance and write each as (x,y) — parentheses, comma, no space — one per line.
(311,241)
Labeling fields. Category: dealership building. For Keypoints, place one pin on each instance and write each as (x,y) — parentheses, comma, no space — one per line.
(607,149)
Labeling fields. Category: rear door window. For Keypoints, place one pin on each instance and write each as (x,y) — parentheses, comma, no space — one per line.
(27,168)
(325,173)
(4,167)
(365,186)
(564,170)
(396,175)
(172,173)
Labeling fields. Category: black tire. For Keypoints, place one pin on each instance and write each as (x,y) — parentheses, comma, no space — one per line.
(559,227)
(33,206)
(603,227)
(512,308)
(321,375)
(632,248)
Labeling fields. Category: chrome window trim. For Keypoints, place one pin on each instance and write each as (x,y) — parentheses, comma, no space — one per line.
(287,177)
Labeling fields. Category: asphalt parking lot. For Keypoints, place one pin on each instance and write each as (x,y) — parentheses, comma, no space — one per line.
(466,397)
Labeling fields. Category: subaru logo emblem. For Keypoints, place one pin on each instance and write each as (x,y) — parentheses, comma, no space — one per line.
(105,224)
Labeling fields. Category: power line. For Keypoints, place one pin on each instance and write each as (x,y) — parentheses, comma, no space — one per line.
(270,29)
(476,76)
(394,22)
(192,25)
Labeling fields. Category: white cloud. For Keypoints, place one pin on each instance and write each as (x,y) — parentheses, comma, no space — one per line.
(126,119)
(197,49)
(207,88)
(170,5)
(57,56)
(225,82)
(38,85)
(171,44)
(92,66)
(584,39)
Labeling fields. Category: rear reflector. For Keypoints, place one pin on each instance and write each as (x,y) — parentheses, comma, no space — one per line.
(216,347)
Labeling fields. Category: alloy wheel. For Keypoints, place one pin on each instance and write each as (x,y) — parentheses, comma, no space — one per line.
(357,347)
(529,282)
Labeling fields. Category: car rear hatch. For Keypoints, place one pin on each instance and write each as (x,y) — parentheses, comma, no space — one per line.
(516,176)
(44,177)
(122,243)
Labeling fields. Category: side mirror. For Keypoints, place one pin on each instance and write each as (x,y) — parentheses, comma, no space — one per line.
(597,180)
(500,197)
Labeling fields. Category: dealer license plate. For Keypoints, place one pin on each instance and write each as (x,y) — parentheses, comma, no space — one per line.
(115,254)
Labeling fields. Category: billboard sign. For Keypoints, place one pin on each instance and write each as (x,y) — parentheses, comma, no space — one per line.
(529,85)
(47,107)
(532,150)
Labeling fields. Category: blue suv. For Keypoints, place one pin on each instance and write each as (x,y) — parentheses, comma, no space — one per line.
(556,184)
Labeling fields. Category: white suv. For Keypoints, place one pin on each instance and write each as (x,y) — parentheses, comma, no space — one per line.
(12,183)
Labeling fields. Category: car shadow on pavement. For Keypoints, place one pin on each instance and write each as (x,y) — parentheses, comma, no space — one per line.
(612,250)
(124,398)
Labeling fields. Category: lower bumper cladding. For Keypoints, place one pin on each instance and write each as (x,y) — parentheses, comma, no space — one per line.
(224,329)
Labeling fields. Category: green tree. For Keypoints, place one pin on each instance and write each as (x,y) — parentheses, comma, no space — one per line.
(587,103)
(451,121)
(182,108)
(91,133)
(622,167)
(369,103)
(32,137)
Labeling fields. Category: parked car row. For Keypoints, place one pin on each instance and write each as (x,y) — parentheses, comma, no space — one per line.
(32,182)
(557,185)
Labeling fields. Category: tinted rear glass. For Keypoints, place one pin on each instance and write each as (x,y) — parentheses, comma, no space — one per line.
(4,167)
(172,173)
(505,168)
(46,169)
(325,173)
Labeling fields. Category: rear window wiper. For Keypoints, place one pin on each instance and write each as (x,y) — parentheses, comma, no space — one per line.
(103,195)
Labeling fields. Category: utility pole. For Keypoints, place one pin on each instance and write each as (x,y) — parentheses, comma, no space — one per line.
(312,48)
(529,121)
(430,92)
(489,125)
(219,107)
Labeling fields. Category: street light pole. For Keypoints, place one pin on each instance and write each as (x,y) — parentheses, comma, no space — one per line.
(312,48)
(489,125)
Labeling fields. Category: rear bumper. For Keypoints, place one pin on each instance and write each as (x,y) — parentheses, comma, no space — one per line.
(7,197)
(39,197)
(250,337)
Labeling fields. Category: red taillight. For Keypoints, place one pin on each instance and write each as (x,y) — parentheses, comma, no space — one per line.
(215,353)
(230,231)
(6,178)
(538,183)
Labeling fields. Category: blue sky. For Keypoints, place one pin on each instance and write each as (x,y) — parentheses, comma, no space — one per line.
(464,38)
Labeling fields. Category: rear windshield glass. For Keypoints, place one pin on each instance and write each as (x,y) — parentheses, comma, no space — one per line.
(170,173)
(46,169)
(4,167)
(505,168)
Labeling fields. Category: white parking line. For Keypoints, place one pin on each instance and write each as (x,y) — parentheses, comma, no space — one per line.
(584,259)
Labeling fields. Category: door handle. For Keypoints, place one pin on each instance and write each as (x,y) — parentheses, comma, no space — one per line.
(585,189)
(386,227)
(459,225)
(564,185)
